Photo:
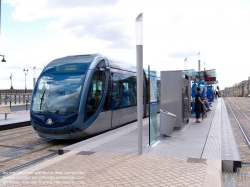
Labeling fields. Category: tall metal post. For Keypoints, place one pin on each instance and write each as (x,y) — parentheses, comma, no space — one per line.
(185,63)
(34,77)
(199,62)
(139,64)
(0,16)
(25,73)
(11,87)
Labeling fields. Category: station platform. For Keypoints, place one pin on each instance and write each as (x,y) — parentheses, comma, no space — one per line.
(193,156)
(14,119)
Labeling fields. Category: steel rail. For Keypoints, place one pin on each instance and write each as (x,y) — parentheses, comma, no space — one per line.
(24,147)
(241,104)
(246,136)
(2,173)
(240,109)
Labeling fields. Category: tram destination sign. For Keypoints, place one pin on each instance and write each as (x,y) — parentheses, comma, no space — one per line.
(71,68)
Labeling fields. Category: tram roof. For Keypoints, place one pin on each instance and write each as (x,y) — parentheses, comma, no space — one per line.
(208,76)
(117,64)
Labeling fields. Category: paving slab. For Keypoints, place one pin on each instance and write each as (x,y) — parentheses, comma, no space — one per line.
(111,159)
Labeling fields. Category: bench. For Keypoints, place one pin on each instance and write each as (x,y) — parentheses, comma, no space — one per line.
(5,110)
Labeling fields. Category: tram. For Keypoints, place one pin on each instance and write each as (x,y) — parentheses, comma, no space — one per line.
(79,96)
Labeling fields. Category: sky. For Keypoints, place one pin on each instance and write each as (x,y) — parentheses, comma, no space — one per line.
(33,33)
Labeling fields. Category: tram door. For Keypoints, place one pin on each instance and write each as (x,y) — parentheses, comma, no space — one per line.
(123,99)
(116,100)
(127,98)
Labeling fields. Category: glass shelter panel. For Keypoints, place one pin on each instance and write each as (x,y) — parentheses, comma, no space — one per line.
(152,107)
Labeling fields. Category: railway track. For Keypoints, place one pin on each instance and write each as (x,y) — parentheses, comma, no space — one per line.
(22,147)
(239,115)
(245,129)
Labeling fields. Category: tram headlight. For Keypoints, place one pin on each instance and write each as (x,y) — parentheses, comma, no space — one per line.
(49,121)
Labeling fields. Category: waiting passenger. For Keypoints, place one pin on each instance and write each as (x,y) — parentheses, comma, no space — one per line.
(207,104)
(198,105)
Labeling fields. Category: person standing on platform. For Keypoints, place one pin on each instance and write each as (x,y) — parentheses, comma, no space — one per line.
(198,105)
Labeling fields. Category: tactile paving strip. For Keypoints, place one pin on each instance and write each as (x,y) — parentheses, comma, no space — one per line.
(212,148)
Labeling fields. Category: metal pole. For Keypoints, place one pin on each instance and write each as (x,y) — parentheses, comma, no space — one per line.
(25,73)
(139,63)
(34,77)
(149,104)
(199,62)
(25,83)
(0,16)
(11,76)
(185,63)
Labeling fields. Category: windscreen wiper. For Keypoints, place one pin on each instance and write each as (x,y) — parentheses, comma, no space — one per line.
(42,98)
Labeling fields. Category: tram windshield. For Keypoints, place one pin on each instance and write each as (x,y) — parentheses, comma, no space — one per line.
(58,93)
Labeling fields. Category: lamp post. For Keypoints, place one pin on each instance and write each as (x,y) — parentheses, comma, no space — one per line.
(34,77)
(185,63)
(25,73)
(11,87)
(3,60)
(199,62)
(139,63)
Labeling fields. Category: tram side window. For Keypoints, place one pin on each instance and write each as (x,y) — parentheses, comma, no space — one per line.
(107,104)
(126,92)
(95,93)
(116,96)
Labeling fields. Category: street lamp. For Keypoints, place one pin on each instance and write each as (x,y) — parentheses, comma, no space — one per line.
(11,87)
(25,73)
(199,64)
(185,63)
(139,63)
(3,60)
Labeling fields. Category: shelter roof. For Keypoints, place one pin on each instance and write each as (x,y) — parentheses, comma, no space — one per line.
(208,76)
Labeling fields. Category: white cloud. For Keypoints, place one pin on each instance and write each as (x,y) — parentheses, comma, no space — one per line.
(28,10)
(173,30)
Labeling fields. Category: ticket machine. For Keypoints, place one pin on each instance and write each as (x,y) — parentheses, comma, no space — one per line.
(175,95)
